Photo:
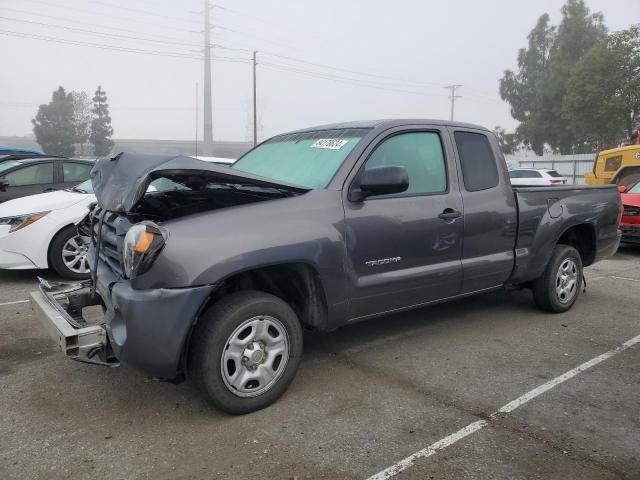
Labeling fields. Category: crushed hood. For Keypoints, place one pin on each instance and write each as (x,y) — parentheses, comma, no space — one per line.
(121,181)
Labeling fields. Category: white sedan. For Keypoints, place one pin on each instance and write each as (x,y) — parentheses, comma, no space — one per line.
(535,177)
(39,231)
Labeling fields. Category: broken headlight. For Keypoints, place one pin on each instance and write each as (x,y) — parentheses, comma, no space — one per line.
(142,243)
(21,221)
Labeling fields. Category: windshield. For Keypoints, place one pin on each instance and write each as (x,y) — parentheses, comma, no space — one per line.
(553,173)
(634,189)
(7,165)
(308,159)
(84,187)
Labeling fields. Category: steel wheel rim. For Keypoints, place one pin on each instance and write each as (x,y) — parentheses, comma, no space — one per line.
(567,280)
(74,254)
(255,356)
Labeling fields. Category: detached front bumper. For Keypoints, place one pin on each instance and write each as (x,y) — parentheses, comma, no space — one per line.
(144,329)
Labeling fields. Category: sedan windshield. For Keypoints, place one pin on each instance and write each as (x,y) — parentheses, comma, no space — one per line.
(84,187)
(308,159)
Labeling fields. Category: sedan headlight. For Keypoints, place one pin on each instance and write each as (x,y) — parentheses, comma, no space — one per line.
(21,221)
(142,243)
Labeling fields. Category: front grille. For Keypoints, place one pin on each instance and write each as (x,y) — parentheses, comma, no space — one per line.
(631,210)
(114,228)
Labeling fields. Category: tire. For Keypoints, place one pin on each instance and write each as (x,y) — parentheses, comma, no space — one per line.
(221,352)
(66,240)
(559,286)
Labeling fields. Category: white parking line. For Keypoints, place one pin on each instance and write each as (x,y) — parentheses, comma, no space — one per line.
(624,278)
(14,303)
(405,463)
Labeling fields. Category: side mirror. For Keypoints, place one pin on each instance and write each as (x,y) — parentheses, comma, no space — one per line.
(622,188)
(383,181)
(4,184)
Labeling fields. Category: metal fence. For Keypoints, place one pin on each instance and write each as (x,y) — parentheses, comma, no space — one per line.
(573,167)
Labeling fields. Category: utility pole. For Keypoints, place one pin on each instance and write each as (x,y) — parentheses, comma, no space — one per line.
(197,113)
(255,102)
(453,96)
(208,116)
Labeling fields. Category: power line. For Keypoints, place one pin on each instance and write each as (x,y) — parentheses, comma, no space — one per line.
(116,17)
(356,72)
(144,12)
(119,49)
(340,79)
(92,32)
(174,40)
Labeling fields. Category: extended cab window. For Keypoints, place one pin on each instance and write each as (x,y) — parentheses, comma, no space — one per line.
(421,154)
(41,173)
(479,170)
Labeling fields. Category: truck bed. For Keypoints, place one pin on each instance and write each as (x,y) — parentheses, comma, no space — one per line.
(545,213)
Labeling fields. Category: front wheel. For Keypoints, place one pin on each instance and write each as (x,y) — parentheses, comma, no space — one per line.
(559,286)
(245,351)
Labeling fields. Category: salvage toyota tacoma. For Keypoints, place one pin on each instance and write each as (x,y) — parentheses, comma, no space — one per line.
(211,272)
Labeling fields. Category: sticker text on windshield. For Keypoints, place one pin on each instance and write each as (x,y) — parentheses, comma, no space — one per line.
(330,143)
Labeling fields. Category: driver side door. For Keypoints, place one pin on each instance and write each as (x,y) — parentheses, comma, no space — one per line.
(405,249)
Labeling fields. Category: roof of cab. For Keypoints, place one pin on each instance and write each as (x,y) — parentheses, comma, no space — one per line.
(384,124)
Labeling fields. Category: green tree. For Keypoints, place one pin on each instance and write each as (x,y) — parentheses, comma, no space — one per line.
(578,32)
(521,89)
(536,91)
(603,96)
(508,142)
(82,117)
(101,130)
(53,125)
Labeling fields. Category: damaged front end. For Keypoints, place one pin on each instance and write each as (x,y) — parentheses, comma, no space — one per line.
(112,318)
(80,334)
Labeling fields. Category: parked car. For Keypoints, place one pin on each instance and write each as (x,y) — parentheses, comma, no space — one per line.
(39,231)
(20,177)
(534,177)
(20,151)
(630,221)
(215,277)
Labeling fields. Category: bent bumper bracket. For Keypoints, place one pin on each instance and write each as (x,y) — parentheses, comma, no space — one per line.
(74,337)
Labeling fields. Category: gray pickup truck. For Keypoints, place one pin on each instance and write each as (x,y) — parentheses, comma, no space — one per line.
(212,272)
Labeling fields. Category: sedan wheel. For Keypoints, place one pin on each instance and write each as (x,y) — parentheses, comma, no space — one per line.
(74,254)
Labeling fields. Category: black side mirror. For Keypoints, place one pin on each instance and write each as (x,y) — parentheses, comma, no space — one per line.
(4,184)
(381,181)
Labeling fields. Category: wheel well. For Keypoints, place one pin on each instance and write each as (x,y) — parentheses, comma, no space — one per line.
(297,284)
(582,238)
(52,239)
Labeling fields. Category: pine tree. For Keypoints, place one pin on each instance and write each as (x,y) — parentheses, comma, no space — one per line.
(53,125)
(101,130)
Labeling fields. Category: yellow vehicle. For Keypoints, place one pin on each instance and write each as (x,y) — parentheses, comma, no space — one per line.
(618,165)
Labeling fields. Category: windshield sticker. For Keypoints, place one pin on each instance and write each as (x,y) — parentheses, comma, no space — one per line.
(330,143)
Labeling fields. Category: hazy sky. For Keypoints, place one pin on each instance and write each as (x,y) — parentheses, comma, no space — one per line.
(408,50)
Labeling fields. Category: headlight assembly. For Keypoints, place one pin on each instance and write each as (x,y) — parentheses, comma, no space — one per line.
(21,221)
(142,243)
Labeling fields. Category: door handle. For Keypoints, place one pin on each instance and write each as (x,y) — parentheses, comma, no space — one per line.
(449,214)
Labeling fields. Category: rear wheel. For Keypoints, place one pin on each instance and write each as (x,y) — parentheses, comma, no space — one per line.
(68,254)
(245,351)
(559,286)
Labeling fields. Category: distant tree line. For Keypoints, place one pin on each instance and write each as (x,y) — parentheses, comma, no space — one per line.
(577,86)
(71,119)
